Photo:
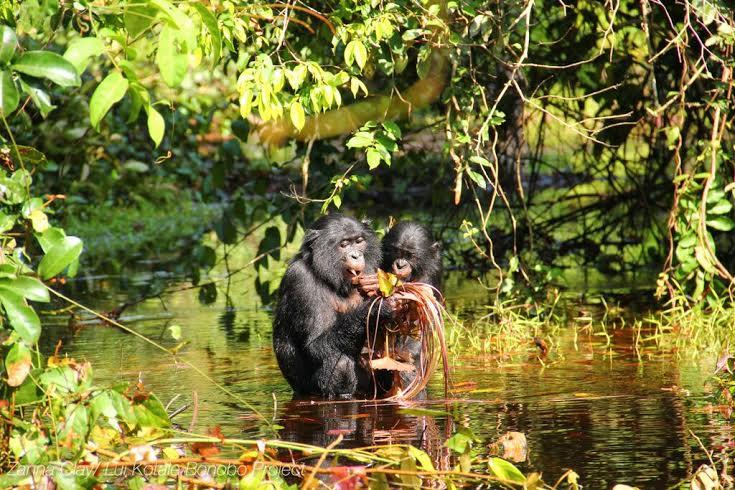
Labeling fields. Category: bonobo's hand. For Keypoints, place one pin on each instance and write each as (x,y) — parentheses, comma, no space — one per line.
(393,308)
(367,284)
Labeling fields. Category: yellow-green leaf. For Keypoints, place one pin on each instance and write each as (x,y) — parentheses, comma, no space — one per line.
(298,118)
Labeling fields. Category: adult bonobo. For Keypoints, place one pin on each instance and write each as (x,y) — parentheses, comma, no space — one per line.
(319,329)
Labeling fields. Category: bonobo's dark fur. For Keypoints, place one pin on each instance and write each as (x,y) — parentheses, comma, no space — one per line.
(319,327)
(410,252)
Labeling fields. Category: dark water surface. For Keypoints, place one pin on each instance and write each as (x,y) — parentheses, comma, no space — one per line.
(594,405)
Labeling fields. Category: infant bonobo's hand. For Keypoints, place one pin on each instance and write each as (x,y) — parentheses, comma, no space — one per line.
(367,284)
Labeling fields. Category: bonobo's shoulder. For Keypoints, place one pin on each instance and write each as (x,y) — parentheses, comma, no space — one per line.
(298,272)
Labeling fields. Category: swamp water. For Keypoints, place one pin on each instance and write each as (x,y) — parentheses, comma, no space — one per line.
(595,404)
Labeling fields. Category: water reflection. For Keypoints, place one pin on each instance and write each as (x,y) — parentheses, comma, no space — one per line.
(591,406)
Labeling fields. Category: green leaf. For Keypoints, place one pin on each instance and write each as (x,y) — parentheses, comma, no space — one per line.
(137,18)
(373,158)
(350,53)
(60,256)
(392,129)
(421,458)
(175,331)
(703,259)
(722,223)
(337,201)
(9,97)
(50,238)
(506,471)
(360,140)
(423,61)
(8,44)
(156,125)
(722,206)
(40,98)
(360,54)
(18,364)
(476,178)
(49,65)
(298,118)
(21,316)
(210,22)
(171,57)
(26,286)
(81,50)
(108,93)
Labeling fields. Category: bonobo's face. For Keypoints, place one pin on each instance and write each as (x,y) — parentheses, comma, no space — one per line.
(339,248)
(406,249)
(352,251)
(402,261)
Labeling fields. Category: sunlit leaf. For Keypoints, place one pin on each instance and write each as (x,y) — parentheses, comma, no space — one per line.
(387,282)
(26,286)
(210,22)
(298,118)
(18,364)
(8,44)
(156,126)
(60,256)
(81,50)
(21,316)
(108,93)
(49,65)
(373,158)
(722,223)
(9,97)
(40,98)
(171,57)
(138,17)
(506,470)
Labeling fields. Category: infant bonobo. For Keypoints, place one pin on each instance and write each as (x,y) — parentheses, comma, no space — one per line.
(409,252)
(319,327)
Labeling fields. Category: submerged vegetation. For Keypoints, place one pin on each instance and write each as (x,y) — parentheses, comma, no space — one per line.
(536,138)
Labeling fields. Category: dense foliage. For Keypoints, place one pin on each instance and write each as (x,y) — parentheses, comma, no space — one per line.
(545,135)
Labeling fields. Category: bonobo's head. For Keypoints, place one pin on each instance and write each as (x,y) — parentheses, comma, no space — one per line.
(339,248)
(410,253)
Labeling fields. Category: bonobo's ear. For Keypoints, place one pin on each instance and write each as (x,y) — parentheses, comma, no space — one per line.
(310,237)
(436,248)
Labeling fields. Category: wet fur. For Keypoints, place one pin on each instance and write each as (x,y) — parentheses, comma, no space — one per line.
(319,327)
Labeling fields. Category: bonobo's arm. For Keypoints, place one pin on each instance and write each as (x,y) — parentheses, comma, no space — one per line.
(317,322)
